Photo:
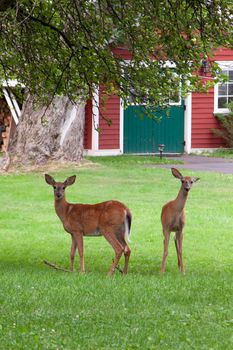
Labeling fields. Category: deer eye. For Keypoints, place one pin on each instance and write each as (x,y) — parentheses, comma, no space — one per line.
(191,182)
(54,187)
(63,188)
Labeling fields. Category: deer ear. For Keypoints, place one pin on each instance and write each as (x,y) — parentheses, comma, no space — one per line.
(49,179)
(70,180)
(176,173)
(195,179)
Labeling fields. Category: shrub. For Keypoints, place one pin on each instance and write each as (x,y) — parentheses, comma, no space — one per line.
(226,123)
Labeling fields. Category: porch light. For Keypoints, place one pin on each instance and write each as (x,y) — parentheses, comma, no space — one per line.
(161,149)
(205,66)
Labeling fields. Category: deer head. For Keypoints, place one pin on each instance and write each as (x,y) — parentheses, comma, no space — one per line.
(59,187)
(186,181)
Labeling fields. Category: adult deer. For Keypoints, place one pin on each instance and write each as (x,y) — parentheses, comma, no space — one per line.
(112,219)
(173,218)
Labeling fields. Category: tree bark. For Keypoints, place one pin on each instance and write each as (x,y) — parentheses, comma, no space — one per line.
(53,132)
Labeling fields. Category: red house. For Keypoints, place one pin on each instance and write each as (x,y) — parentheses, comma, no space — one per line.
(188,128)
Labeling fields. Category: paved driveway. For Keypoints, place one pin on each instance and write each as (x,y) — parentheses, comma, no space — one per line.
(200,163)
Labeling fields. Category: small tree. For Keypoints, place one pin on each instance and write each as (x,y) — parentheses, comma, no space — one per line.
(226,123)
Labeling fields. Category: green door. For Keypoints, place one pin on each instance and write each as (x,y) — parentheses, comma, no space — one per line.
(143,134)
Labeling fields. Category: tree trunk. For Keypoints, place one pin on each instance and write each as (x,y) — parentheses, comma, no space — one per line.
(45,133)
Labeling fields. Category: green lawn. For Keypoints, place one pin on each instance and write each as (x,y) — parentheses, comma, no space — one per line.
(41,308)
(221,152)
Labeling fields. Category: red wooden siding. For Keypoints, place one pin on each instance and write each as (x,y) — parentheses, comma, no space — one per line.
(122,53)
(109,137)
(223,54)
(203,119)
(88,125)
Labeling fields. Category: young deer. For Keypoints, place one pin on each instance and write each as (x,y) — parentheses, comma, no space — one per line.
(173,218)
(112,219)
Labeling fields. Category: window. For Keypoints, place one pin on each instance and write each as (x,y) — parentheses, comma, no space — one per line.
(175,95)
(175,100)
(224,91)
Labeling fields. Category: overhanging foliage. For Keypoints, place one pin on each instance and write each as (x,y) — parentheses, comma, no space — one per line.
(67,46)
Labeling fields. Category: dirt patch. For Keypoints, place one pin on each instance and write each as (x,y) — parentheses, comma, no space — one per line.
(8,166)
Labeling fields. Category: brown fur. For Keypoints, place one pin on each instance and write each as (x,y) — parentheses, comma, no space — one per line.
(107,218)
(173,218)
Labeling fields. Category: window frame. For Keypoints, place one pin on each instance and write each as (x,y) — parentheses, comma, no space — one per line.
(224,66)
(171,103)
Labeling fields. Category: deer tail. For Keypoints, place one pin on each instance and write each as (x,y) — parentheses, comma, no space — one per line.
(128,221)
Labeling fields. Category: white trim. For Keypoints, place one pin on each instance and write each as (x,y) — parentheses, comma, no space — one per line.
(121,126)
(18,111)
(200,150)
(103,152)
(13,105)
(69,120)
(216,98)
(188,124)
(175,103)
(223,65)
(11,83)
(216,109)
(168,64)
(95,121)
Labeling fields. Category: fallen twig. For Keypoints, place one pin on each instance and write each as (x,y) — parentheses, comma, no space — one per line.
(56,267)
(118,268)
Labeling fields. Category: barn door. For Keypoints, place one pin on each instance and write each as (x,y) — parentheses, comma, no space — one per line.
(143,134)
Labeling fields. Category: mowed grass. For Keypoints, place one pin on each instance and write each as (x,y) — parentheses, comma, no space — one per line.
(41,308)
(221,152)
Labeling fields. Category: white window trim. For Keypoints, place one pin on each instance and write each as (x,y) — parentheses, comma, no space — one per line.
(224,65)
(164,64)
(170,103)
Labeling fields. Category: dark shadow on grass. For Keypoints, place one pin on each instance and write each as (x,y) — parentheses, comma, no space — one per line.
(147,267)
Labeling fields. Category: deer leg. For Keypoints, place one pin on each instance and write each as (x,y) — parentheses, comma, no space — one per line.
(72,253)
(177,249)
(79,242)
(180,244)
(118,248)
(165,251)
(127,253)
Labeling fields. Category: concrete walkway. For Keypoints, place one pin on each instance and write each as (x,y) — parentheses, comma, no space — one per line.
(200,163)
